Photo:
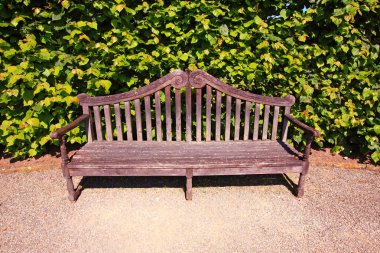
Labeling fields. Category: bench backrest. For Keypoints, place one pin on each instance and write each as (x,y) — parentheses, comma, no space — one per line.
(185,106)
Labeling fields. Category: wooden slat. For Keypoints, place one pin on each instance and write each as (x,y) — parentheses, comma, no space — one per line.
(285,125)
(195,158)
(183,144)
(199,114)
(128,121)
(266,121)
(248,145)
(138,119)
(148,118)
(227,132)
(162,171)
(119,131)
(189,156)
(171,162)
(168,113)
(186,155)
(218,112)
(256,169)
(97,171)
(188,113)
(256,122)
(237,119)
(157,99)
(208,113)
(107,115)
(275,123)
(88,124)
(246,120)
(178,115)
(98,124)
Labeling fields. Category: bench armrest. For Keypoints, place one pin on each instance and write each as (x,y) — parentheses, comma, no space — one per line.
(57,134)
(302,126)
(311,133)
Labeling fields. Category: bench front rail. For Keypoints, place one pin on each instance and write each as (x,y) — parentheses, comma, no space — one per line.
(185,124)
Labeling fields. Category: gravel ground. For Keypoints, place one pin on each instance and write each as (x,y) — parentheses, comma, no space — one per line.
(340,212)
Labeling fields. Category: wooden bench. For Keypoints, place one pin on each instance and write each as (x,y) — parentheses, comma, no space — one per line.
(185,124)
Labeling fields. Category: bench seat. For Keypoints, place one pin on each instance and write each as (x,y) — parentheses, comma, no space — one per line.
(174,158)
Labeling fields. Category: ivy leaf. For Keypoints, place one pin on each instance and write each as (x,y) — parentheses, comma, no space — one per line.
(184,57)
(367,93)
(106,84)
(263,44)
(211,39)
(28,43)
(155,53)
(345,48)
(249,23)
(260,22)
(376,156)
(33,122)
(250,76)
(120,7)
(17,20)
(56,17)
(223,29)
(9,53)
(65,4)
(283,14)
(302,37)
(376,128)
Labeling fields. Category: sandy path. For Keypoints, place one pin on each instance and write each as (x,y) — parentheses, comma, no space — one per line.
(339,213)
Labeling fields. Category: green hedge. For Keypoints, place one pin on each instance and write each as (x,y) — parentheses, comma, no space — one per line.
(326,55)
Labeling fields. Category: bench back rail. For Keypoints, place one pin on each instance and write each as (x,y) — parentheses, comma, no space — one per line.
(165,111)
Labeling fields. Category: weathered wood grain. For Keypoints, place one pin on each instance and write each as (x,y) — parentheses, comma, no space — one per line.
(203,158)
(218,115)
(128,121)
(246,120)
(148,118)
(98,124)
(118,122)
(88,123)
(168,114)
(237,119)
(256,122)
(157,100)
(188,113)
(208,113)
(266,121)
(285,125)
(275,123)
(178,114)
(138,119)
(107,115)
(227,132)
(199,78)
(198,114)
(176,78)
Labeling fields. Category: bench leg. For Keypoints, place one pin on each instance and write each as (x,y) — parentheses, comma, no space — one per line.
(189,186)
(301,183)
(73,193)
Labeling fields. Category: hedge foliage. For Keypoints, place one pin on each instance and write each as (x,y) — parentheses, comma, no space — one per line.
(326,54)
